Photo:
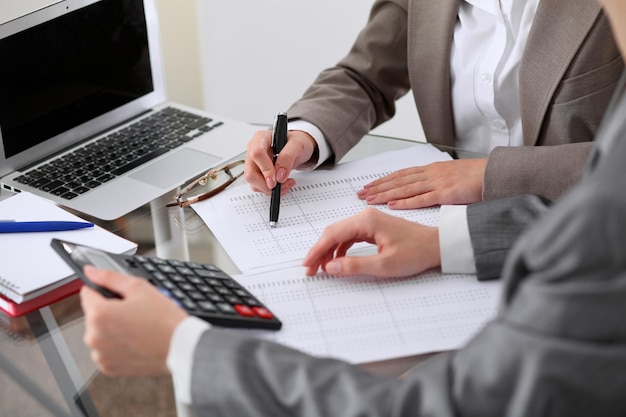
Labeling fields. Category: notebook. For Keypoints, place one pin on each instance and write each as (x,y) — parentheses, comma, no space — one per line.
(31,273)
(84,120)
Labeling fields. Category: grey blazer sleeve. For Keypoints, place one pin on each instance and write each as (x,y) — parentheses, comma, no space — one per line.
(494,227)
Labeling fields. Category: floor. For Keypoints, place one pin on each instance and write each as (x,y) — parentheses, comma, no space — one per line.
(113,397)
(134,396)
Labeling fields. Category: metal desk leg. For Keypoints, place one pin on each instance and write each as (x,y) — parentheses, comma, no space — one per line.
(167,244)
(61,363)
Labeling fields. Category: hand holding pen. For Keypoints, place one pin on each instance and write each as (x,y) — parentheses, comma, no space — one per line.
(279,139)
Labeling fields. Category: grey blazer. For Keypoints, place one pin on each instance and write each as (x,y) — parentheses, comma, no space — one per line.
(556,348)
(494,227)
(567,75)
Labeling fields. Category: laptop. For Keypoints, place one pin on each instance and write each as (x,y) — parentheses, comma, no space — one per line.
(84,118)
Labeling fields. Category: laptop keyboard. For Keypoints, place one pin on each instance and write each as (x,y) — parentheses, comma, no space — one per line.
(98,162)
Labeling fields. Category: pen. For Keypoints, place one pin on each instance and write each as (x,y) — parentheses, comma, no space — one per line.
(10,226)
(279,139)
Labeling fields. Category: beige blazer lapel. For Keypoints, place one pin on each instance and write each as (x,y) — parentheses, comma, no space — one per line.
(554,40)
(430,31)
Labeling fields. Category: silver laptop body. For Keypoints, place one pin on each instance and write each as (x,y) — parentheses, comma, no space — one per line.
(79,71)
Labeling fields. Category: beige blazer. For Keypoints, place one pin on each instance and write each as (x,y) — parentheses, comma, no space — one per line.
(568,72)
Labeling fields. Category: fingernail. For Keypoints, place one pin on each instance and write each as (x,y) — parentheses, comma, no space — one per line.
(361,193)
(270,182)
(333,268)
(281,174)
(370,199)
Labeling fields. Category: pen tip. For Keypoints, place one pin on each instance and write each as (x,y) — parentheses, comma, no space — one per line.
(272,224)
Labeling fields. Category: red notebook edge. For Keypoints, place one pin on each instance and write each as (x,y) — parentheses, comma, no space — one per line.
(13,309)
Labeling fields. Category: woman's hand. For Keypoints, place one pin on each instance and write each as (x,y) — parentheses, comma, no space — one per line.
(449,182)
(259,169)
(404,248)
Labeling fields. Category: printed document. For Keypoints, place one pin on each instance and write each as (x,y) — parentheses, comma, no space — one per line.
(239,218)
(358,319)
(366,319)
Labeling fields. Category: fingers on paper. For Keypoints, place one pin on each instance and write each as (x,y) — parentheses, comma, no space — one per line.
(337,238)
(404,189)
(396,180)
(418,201)
(444,182)
(357,265)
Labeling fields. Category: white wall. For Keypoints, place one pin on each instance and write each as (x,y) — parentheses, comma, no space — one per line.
(181,51)
(259,56)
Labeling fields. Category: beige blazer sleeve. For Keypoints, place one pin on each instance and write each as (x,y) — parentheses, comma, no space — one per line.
(346,101)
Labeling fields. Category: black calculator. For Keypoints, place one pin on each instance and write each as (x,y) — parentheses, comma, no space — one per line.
(203,290)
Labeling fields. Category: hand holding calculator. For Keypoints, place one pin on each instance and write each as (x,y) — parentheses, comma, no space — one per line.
(203,290)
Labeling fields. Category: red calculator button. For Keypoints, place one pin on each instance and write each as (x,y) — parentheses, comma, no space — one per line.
(244,310)
(263,313)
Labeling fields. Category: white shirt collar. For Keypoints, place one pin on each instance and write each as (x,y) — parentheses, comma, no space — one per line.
(493,6)
(490,6)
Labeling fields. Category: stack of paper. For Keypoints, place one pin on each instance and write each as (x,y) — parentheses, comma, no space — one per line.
(31,273)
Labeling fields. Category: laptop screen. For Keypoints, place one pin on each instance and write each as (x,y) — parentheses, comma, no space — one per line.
(64,72)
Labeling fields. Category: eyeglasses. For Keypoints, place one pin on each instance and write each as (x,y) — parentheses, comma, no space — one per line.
(217,180)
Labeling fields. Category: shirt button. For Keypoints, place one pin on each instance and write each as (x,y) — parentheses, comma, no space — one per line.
(498,124)
(485,77)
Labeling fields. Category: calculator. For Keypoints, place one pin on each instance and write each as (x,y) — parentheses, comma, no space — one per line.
(203,290)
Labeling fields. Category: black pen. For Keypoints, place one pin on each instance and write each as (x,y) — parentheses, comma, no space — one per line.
(279,139)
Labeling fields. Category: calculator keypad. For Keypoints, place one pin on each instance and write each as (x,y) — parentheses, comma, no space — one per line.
(205,291)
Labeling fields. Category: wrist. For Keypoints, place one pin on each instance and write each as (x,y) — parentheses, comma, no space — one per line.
(168,330)
(455,246)
(181,352)
(308,147)
(434,250)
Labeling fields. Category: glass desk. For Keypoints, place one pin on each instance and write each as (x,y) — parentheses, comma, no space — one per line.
(45,368)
